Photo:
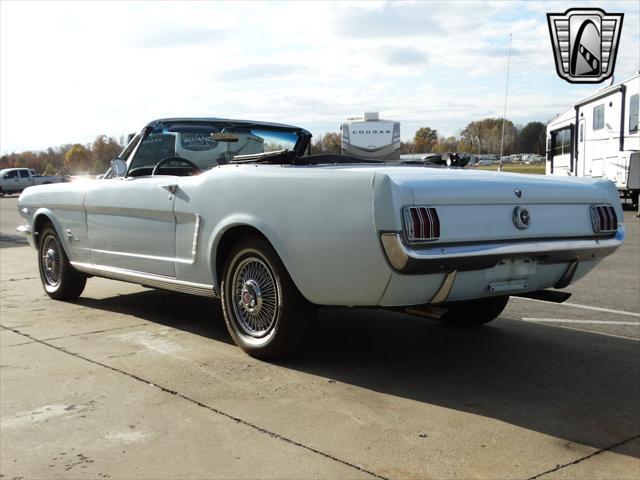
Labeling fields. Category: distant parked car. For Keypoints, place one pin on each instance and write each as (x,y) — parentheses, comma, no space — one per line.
(15,180)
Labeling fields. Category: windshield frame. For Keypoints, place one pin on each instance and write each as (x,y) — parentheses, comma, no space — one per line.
(299,149)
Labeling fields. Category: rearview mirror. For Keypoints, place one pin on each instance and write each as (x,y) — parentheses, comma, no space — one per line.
(119,167)
(224,137)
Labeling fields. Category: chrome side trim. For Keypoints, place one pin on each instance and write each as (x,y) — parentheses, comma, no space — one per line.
(142,255)
(146,279)
(194,246)
(432,259)
(444,290)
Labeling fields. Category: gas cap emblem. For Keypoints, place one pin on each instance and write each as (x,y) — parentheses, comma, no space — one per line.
(521,218)
(518,192)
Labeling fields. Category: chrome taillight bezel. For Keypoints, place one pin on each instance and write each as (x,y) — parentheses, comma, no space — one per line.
(604,220)
(427,220)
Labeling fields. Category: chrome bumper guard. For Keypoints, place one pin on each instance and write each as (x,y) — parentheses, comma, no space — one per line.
(448,258)
(27,232)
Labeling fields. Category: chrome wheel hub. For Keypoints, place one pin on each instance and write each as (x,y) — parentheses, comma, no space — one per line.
(255,297)
(251,296)
(50,261)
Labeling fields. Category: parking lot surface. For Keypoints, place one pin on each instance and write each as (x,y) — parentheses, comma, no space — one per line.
(130,382)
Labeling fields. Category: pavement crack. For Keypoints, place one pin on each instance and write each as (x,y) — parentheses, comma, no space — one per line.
(229,416)
(587,457)
(95,331)
(68,336)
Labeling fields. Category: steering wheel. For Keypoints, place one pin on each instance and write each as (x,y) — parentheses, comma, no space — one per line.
(196,169)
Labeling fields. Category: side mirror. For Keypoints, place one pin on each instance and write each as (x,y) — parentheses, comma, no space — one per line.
(118,167)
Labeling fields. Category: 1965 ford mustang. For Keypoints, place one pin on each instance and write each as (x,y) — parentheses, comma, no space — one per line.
(236,209)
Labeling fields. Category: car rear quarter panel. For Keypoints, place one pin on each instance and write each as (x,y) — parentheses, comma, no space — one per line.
(320,223)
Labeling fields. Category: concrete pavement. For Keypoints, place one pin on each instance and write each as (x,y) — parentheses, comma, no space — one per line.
(130,382)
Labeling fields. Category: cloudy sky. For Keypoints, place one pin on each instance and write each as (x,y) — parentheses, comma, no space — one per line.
(71,71)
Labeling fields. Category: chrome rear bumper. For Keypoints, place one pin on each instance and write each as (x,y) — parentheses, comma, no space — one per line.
(436,258)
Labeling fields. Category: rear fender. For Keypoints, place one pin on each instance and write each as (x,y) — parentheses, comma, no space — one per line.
(243,220)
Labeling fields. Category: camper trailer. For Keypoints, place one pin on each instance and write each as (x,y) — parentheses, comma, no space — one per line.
(598,137)
(371,138)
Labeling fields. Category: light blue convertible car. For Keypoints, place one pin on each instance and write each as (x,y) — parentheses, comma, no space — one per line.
(239,210)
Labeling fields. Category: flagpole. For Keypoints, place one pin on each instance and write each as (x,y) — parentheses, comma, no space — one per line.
(504,115)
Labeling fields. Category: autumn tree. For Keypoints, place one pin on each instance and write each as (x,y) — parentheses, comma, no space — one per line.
(316,146)
(406,147)
(332,142)
(424,139)
(103,150)
(486,135)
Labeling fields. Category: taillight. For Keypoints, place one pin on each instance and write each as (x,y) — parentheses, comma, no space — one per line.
(421,224)
(603,219)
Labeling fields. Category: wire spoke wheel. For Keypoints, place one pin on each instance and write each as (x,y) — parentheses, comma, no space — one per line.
(256,297)
(51,260)
(59,279)
(265,313)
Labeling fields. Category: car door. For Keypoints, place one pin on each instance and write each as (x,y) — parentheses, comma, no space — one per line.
(131,225)
(130,221)
(10,181)
(24,179)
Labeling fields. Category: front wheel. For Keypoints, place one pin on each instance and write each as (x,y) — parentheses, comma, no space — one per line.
(264,312)
(60,280)
(475,312)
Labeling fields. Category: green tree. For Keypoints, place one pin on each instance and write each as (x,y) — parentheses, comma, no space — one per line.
(49,169)
(77,159)
(532,138)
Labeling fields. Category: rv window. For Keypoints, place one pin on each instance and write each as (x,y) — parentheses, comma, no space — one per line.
(634,101)
(581,125)
(561,141)
(598,117)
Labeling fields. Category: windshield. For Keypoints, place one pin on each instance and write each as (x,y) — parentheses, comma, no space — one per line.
(205,146)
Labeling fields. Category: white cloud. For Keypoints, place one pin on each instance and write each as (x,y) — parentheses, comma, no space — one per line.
(71,71)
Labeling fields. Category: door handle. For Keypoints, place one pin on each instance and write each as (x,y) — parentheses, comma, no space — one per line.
(170,188)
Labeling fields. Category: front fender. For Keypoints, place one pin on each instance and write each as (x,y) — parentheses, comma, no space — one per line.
(38,217)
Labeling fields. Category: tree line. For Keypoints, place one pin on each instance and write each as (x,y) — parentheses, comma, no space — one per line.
(481,136)
(69,159)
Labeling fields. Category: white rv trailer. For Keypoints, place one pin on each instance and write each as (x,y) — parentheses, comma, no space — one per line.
(598,137)
(370,137)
